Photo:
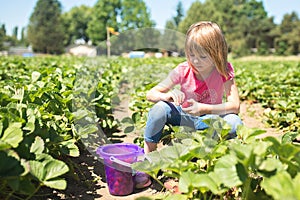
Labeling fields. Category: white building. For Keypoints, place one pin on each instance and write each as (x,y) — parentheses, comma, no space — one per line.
(82,50)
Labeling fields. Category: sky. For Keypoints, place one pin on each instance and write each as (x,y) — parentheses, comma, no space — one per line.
(17,12)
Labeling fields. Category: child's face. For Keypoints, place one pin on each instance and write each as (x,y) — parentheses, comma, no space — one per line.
(201,62)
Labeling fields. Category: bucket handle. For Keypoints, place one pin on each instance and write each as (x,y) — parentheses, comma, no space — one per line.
(120,162)
(116,160)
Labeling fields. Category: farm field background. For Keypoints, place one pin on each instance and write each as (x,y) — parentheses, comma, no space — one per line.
(50,106)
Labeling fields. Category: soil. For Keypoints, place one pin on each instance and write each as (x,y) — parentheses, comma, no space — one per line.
(87,180)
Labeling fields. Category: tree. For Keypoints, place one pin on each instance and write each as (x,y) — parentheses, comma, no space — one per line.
(172,40)
(135,22)
(244,23)
(23,39)
(45,30)
(134,14)
(2,36)
(76,23)
(199,12)
(15,32)
(179,14)
(288,41)
(104,15)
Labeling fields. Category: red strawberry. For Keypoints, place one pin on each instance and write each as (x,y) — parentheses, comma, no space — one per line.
(185,105)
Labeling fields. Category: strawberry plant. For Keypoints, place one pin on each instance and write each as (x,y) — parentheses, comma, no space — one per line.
(47,105)
(275,85)
(244,167)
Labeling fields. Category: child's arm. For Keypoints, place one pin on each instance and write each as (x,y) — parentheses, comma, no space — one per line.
(232,105)
(163,92)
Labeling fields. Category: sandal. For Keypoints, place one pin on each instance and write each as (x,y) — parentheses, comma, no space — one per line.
(141,180)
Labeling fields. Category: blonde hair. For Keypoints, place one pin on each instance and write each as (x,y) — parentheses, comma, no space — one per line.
(207,38)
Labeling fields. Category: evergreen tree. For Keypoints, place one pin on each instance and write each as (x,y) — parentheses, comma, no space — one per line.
(45,30)
(15,32)
(23,39)
(2,36)
(179,14)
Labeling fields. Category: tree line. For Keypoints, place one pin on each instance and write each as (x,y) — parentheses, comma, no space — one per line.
(246,25)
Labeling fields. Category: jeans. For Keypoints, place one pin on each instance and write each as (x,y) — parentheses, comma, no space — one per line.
(163,113)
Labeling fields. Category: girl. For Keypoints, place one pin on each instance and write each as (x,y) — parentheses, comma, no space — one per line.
(203,79)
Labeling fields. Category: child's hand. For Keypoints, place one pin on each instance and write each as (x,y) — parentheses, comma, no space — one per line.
(176,96)
(185,104)
(192,107)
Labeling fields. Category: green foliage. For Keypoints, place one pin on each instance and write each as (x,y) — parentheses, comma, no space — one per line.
(179,14)
(244,23)
(134,14)
(47,105)
(209,168)
(206,164)
(288,41)
(275,85)
(104,14)
(2,37)
(45,29)
(76,23)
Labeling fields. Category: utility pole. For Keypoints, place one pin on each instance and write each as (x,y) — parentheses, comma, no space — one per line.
(108,41)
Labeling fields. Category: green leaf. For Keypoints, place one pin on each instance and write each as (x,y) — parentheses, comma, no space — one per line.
(152,164)
(127,120)
(281,186)
(289,137)
(26,187)
(13,135)
(9,166)
(171,153)
(57,183)
(271,164)
(4,145)
(88,129)
(128,129)
(261,148)
(48,172)
(31,117)
(288,151)
(70,148)
(55,168)
(37,170)
(35,76)
(227,171)
(37,146)
(1,128)
(177,197)
(248,134)
(191,180)
(79,114)
(136,117)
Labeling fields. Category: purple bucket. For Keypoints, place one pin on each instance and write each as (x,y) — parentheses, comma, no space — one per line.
(117,162)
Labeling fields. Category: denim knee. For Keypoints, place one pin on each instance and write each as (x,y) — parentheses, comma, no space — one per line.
(157,118)
(233,120)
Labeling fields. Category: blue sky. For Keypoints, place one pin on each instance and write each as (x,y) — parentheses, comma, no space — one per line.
(17,12)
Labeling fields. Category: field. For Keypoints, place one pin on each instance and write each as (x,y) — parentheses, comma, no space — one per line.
(55,108)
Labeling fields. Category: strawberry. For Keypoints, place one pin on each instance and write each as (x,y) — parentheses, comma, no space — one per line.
(185,105)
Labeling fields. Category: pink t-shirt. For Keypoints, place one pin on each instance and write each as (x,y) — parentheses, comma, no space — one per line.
(209,91)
